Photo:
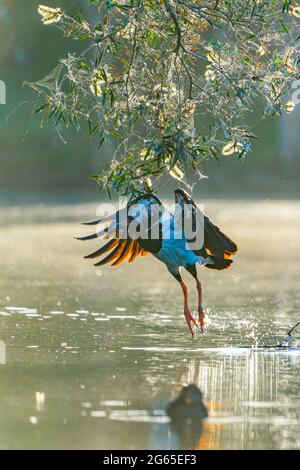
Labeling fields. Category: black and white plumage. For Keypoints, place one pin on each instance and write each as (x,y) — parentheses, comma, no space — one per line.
(146,226)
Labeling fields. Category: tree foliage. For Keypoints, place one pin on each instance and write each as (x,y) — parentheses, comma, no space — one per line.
(171,81)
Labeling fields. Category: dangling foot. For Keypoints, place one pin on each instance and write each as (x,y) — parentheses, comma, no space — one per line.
(201,318)
(190,320)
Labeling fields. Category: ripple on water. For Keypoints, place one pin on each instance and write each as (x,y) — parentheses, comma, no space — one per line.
(271,420)
(269,404)
(98,414)
(139,416)
(115,403)
(24,310)
(230,351)
(122,317)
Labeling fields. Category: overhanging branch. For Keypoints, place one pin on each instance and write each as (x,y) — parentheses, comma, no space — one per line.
(173,15)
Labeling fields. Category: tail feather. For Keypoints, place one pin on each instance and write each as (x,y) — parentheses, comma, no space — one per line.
(219,264)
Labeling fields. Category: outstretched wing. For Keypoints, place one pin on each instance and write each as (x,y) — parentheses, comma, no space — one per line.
(132,231)
(204,238)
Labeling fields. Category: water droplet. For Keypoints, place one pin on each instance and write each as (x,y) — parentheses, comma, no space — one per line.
(40,401)
(86,404)
(33,420)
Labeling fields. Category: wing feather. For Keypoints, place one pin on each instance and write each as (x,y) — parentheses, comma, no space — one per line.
(116,229)
(113,255)
(215,244)
(135,253)
(103,220)
(127,250)
(102,233)
(143,253)
(104,249)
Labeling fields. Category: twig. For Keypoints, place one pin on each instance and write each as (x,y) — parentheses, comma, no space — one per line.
(176,23)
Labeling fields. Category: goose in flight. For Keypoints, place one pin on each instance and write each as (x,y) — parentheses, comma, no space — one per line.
(183,239)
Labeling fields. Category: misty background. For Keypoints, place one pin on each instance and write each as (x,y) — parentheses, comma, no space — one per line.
(36,165)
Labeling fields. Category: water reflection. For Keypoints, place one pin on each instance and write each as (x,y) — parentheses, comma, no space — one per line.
(187,413)
(250,400)
(176,436)
(245,411)
(252,396)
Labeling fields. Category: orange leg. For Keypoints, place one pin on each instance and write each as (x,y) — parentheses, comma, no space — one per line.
(201,312)
(187,313)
